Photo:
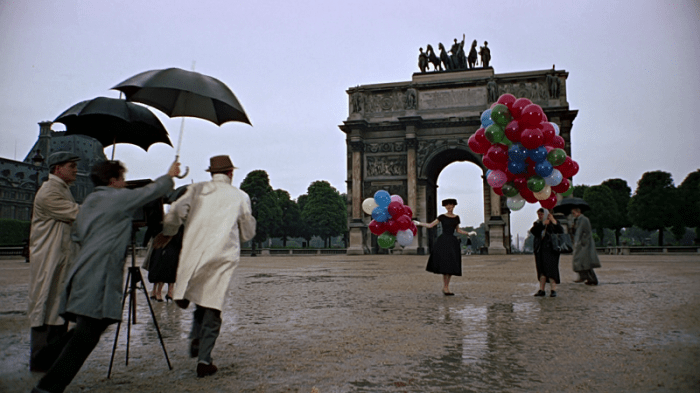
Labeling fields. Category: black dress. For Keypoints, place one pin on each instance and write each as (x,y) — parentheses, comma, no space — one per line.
(163,263)
(546,259)
(445,257)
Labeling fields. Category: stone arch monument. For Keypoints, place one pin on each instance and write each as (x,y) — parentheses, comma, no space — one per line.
(401,135)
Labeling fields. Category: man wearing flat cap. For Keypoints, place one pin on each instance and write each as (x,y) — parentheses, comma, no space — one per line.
(217,218)
(50,251)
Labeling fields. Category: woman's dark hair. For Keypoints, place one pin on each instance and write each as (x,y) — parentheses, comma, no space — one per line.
(540,210)
(104,171)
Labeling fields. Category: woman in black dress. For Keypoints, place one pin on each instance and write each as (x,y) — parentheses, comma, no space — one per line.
(446,257)
(546,258)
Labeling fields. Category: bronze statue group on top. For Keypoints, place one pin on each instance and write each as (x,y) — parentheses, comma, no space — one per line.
(457,60)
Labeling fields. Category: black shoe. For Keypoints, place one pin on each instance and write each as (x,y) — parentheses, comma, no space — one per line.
(448,293)
(182,303)
(553,294)
(206,369)
(588,282)
(168,298)
(194,348)
(540,293)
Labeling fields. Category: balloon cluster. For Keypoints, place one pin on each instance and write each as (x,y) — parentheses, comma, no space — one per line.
(524,153)
(391,219)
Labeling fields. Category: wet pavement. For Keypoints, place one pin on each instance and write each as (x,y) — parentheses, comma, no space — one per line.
(381,324)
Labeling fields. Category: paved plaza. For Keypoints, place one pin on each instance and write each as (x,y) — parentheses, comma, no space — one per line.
(379,323)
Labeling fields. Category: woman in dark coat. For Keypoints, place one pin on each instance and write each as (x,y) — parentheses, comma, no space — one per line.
(546,259)
(445,257)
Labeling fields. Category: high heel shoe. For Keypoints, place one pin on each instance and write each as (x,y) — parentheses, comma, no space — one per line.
(168,298)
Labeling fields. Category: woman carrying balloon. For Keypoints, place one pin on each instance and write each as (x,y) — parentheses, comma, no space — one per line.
(546,258)
(445,256)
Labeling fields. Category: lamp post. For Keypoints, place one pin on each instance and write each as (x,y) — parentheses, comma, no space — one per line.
(254,202)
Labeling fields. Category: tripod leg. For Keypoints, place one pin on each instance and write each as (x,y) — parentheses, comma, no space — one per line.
(128,325)
(119,324)
(137,273)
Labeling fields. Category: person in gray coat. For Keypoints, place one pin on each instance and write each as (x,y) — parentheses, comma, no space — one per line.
(92,295)
(585,257)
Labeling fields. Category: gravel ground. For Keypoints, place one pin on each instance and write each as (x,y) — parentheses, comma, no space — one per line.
(380,323)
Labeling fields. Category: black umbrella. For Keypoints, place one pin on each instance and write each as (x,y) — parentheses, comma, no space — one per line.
(177,92)
(567,204)
(111,121)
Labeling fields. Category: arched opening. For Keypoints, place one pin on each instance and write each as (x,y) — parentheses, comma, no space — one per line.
(455,173)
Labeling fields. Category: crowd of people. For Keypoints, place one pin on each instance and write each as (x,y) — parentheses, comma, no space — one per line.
(77,255)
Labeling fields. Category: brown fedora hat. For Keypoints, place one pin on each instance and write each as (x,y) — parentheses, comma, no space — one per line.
(220,164)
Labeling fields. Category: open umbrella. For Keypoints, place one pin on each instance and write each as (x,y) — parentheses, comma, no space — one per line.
(567,204)
(112,121)
(177,92)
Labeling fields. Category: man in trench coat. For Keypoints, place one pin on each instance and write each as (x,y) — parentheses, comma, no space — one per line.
(92,295)
(217,218)
(585,257)
(51,251)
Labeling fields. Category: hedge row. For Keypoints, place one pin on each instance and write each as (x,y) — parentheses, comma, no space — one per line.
(13,232)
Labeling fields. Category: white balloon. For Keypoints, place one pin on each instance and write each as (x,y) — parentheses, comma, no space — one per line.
(405,238)
(544,194)
(515,203)
(368,205)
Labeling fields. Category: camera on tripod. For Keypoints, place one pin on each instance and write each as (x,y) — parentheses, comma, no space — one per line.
(149,215)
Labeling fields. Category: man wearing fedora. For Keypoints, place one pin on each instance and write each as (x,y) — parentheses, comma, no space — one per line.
(217,218)
(50,250)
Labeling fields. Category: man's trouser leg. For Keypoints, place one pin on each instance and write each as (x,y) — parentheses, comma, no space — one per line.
(85,337)
(207,331)
(45,345)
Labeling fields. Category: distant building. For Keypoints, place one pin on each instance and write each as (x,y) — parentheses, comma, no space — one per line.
(18,178)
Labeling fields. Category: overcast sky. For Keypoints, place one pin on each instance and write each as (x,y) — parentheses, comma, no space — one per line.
(633,77)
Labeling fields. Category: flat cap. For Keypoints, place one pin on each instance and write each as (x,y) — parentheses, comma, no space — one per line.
(61,157)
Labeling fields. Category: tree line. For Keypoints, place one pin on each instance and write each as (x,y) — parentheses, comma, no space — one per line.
(321,212)
(656,205)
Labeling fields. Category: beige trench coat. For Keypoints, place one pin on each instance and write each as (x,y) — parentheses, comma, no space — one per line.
(217,218)
(50,250)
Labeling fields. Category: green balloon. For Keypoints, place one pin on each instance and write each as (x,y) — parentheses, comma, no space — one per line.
(501,115)
(386,240)
(506,141)
(509,190)
(536,183)
(556,157)
(495,133)
(568,192)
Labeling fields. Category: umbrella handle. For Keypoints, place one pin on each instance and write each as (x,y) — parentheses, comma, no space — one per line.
(187,170)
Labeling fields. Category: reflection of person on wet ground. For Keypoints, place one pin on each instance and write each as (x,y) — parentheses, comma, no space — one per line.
(445,257)
(546,258)
(92,296)
(585,256)
(217,217)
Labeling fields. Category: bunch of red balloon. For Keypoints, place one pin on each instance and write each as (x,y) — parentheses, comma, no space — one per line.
(391,219)
(524,153)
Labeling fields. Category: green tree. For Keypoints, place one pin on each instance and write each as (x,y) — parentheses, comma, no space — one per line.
(653,205)
(603,213)
(291,225)
(621,193)
(306,232)
(689,202)
(265,208)
(324,211)
(579,191)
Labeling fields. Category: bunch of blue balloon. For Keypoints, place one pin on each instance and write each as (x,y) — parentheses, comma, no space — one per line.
(524,153)
(391,219)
